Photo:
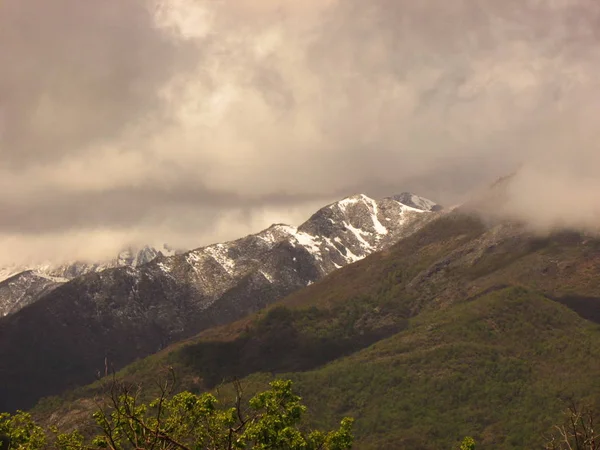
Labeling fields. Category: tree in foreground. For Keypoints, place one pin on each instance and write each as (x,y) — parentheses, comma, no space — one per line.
(468,443)
(186,421)
(577,433)
(19,431)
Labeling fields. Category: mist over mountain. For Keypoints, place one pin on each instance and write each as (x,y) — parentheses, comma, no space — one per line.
(23,285)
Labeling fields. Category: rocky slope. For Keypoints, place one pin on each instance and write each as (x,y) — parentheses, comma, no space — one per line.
(124,313)
(24,288)
(21,286)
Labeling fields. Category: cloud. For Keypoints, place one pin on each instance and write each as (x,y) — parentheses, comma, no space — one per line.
(197,121)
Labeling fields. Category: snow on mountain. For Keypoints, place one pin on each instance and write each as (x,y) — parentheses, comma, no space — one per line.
(7,272)
(414,201)
(338,234)
(283,257)
(22,285)
(124,313)
(24,288)
(133,258)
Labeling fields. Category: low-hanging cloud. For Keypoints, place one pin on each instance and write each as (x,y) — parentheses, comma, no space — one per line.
(197,121)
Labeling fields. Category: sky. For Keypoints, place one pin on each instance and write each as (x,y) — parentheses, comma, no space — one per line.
(196,121)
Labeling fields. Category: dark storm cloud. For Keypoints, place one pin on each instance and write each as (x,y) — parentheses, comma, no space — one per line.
(129,207)
(75,73)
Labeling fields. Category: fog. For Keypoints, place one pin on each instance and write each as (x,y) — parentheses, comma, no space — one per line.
(192,122)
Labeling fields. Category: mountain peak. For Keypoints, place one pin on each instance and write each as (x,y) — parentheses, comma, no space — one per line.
(338,234)
(172,298)
(416,201)
(406,198)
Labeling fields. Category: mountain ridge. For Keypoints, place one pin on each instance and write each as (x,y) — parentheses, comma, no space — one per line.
(121,314)
(22,285)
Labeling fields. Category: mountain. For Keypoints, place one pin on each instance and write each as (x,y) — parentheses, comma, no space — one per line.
(465,327)
(120,314)
(67,271)
(24,288)
(21,286)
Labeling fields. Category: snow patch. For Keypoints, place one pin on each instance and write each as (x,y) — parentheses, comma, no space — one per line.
(6,273)
(164,267)
(308,242)
(343,204)
(193,258)
(62,272)
(267,276)
(351,257)
(406,208)
(219,253)
(267,237)
(379,228)
(422,203)
(288,229)
(358,233)
(51,278)
(331,245)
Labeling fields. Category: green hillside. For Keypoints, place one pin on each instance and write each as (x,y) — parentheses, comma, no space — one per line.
(499,368)
(457,330)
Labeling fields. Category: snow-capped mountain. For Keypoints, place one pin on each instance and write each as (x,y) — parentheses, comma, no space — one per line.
(124,313)
(23,285)
(284,258)
(128,257)
(24,288)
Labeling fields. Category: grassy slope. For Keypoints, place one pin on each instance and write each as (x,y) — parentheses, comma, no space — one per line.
(499,368)
(447,350)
